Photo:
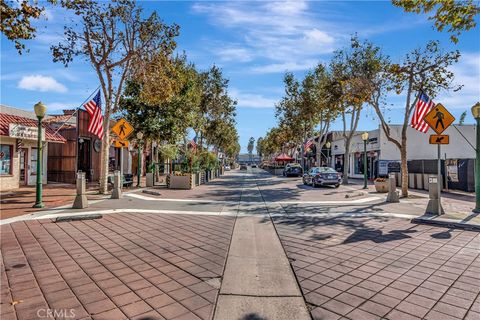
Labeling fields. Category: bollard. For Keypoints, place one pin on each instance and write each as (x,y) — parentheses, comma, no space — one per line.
(392,189)
(117,185)
(81,198)
(434,205)
(150,181)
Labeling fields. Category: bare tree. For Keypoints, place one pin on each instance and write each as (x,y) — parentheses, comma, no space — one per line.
(422,70)
(113,37)
(353,69)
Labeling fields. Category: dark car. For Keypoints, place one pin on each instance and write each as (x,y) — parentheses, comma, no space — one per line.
(292,170)
(322,176)
(243,166)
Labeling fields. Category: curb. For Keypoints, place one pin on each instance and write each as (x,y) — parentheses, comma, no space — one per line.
(447,223)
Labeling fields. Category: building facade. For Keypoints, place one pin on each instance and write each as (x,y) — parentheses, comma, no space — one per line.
(383,156)
(18,148)
(82,150)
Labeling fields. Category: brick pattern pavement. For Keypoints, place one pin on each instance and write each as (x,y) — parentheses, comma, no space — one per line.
(357,268)
(135,266)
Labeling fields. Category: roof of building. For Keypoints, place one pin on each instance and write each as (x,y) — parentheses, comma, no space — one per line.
(6,119)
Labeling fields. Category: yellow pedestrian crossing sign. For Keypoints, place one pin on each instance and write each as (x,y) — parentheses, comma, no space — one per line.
(439,118)
(122,129)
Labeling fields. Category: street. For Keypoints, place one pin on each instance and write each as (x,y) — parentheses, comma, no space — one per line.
(245,246)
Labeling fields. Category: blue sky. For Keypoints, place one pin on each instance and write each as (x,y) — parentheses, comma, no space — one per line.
(254,43)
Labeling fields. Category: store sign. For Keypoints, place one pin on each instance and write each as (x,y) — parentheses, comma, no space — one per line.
(382,167)
(386,166)
(20,131)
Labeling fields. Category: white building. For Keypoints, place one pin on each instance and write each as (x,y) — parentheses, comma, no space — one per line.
(418,148)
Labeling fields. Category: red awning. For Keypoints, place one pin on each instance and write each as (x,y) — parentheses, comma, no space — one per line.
(284,157)
(6,119)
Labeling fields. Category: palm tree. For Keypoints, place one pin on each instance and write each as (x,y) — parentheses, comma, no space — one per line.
(251,145)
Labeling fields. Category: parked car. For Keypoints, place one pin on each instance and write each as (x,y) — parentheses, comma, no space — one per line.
(227,167)
(254,165)
(243,166)
(322,176)
(292,170)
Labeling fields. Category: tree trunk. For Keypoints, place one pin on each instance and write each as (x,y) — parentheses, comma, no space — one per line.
(403,157)
(346,161)
(105,152)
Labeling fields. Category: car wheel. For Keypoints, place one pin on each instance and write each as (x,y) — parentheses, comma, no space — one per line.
(337,185)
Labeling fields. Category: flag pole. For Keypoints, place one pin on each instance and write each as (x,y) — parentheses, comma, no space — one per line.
(76,110)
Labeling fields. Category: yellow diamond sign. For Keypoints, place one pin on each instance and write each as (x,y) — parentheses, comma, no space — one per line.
(122,129)
(439,118)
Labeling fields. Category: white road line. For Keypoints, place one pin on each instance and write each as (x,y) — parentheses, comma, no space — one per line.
(363,200)
(347,214)
(111,211)
(142,197)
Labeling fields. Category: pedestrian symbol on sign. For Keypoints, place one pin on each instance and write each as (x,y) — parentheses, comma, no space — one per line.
(439,118)
(439,115)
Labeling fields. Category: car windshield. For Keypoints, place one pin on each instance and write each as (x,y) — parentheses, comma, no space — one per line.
(326,170)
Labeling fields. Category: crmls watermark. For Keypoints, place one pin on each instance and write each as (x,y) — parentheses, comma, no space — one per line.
(56,313)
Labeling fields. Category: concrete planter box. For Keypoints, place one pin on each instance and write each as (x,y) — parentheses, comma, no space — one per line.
(381,187)
(181,182)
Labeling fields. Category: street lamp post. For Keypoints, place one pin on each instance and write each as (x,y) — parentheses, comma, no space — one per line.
(365,138)
(139,170)
(328,145)
(40,110)
(476,115)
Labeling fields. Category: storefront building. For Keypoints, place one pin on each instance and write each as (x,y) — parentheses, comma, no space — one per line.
(18,148)
(383,156)
(82,150)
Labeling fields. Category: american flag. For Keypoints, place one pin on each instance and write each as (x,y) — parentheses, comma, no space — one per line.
(423,106)
(308,144)
(94,109)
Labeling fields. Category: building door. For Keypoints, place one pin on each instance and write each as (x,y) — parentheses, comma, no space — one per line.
(84,157)
(23,166)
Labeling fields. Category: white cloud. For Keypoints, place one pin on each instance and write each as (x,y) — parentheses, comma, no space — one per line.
(284,66)
(252,100)
(234,54)
(467,73)
(41,83)
(276,31)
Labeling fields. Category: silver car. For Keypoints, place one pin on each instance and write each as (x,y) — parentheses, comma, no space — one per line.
(322,176)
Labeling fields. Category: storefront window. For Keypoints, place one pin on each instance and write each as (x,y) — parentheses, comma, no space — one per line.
(358,163)
(6,159)
(33,161)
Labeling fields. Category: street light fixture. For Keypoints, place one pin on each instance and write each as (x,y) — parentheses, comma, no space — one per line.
(328,145)
(139,169)
(40,110)
(476,115)
(365,139)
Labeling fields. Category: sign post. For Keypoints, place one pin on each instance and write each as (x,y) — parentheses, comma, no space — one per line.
(122,129)
(439,119)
